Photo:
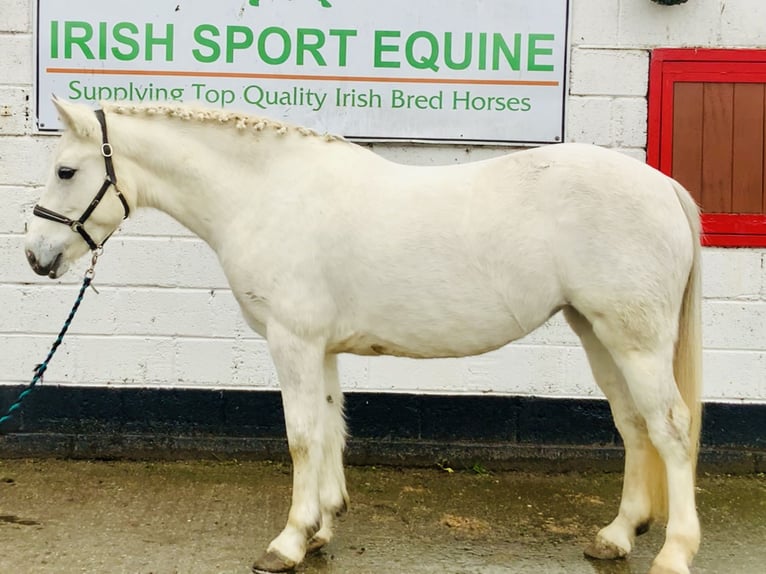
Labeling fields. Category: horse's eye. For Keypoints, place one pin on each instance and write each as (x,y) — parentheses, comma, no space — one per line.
(66,172)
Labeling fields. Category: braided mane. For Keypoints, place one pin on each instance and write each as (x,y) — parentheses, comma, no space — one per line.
(240,120)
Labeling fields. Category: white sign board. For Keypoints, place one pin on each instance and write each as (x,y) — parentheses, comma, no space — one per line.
(427,70)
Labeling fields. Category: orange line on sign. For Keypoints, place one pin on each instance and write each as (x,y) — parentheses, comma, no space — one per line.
(377,79)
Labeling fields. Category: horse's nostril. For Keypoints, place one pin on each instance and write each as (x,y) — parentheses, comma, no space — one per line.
(31,258)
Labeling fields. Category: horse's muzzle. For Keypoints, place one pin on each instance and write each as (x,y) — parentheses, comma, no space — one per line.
(51,269)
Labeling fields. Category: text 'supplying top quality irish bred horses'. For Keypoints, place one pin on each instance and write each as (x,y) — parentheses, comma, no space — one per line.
(331,249)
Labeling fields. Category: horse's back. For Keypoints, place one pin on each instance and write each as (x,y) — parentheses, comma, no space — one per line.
(548,208)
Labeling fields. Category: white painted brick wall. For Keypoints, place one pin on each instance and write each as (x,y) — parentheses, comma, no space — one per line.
(16,49)
(17,16)
(165,316)
(594,71)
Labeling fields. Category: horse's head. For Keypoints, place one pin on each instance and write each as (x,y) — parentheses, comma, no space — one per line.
(71,217)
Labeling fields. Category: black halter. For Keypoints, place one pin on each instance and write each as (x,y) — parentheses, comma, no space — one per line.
(110,180)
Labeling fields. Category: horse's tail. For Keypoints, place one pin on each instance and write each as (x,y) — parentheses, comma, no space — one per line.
(687,360)
(687,364)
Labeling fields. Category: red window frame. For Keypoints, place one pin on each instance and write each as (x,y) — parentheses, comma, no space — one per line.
(671,65)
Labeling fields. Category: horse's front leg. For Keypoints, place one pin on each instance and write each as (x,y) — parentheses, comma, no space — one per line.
(300,363)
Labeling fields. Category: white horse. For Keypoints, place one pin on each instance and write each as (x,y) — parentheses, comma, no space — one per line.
(331,249)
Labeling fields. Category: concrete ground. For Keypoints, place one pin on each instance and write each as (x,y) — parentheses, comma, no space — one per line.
(216,517)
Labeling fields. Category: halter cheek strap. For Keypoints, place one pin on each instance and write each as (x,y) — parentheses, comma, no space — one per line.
(110,180)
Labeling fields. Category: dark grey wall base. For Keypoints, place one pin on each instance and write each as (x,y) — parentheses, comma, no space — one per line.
(524,433)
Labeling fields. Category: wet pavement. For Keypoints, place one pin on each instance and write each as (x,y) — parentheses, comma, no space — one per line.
(216,517)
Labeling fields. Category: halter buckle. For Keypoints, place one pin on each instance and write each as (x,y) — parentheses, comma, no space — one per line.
(106,149)
(75,226)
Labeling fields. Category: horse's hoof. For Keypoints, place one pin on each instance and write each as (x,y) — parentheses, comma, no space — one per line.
(316,544)
(602,550)
(659,569)
(273,561)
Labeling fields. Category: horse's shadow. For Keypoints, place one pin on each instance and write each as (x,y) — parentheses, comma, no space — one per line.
(610,566)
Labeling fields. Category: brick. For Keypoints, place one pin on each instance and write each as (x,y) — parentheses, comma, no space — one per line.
(593,22)
(226,363)
(692,24)
(163,262)
(14,268)
(25,161)
(611,122)
(389,374)
(763,274)
(736,325)
(15,111)
(732,375)
(135,312)
(594,72)
(732,273)
(628,119)
(741,23)
(129,261)
(16,66)
(354,371)
(20,355)
(589,120)
(17,205)
(538,370)
(16,16)
(85,361)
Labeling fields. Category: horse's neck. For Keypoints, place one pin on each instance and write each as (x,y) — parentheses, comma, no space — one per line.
(200,174)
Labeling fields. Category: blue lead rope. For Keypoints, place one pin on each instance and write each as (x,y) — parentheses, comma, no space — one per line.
(42,367)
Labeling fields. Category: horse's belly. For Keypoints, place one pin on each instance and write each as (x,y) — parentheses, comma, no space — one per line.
(370,345)
(457,316)
(429,340)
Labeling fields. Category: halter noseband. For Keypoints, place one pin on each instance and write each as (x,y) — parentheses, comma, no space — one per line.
(110,180)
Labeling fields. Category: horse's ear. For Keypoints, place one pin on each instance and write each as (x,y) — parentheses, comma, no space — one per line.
(76,117)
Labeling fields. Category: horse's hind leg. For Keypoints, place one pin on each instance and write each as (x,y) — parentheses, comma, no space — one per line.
(645,358)
(333,496)
(616,539)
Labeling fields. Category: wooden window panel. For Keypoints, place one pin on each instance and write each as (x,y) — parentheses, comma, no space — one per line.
(717,140)
(687,137)
(748,153)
